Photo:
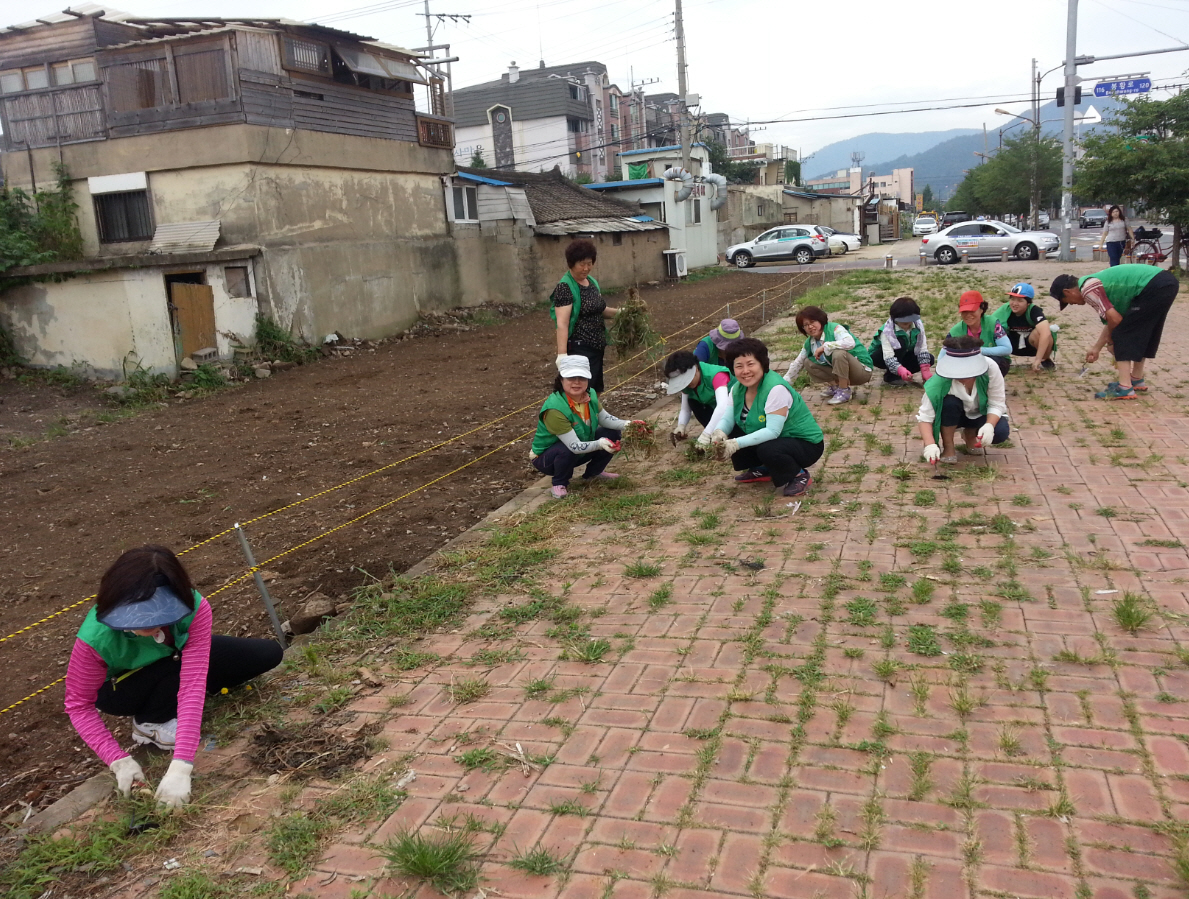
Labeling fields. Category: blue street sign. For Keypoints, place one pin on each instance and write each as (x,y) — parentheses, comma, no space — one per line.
(1125,86)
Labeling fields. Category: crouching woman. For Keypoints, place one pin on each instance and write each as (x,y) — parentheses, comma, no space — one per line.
(966,392)
(705,394)
(145,651)
(773,434)
(573,429)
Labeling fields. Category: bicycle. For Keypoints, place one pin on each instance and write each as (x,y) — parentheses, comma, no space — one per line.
(1152,248)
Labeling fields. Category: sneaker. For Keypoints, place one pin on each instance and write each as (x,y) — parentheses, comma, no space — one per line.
(827,391)
(1048,365)
(1115,392)
(163,736)
(559,491)
(753,476)
(799,485)
(605,475)
(1139,385)
(841,395)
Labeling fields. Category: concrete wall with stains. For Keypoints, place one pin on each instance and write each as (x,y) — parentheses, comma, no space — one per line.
(637,260)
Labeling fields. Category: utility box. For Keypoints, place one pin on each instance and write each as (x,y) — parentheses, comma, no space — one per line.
(675,263)
(873,235)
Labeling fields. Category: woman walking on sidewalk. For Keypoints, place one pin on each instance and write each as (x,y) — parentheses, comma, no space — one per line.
(145,651)
(966,392)
(1133,302)
(773,435)
(834,358)
(573,429)
(580,311)
(1115,234)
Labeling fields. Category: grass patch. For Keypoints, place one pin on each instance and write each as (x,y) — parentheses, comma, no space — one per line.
(1132,613)
(642,569)
(660,597)
(922,640)
(448,862)
(538,861)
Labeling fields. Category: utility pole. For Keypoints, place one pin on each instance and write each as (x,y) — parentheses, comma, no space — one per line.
(1071,83)
(681,89)
(1033,191)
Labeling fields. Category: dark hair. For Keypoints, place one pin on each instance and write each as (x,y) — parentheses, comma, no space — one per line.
(137,574)
(682,360)
(811,313)
(579,250)
(746,346)
(969,342)
(1122,214)
(903,307)
(1061,284)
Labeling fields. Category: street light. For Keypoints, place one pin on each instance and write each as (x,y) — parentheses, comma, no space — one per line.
(1033,186)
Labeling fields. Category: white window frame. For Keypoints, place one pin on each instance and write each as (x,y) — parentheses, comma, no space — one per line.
(469,195)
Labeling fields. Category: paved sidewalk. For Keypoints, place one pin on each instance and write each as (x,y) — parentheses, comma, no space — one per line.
(924,692)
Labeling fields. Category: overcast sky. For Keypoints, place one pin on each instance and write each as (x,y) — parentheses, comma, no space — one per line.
(758,60)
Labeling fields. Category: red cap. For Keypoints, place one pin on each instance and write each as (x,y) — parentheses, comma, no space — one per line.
(970,301)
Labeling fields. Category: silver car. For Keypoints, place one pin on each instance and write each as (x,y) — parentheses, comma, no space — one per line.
(840,241)
(988,240)
(800,243)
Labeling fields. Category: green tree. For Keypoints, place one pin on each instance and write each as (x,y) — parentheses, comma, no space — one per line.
(792,172)
(39,229)
(927,198)
(1143,162)
(477,160)
(734,172)
(1004,183)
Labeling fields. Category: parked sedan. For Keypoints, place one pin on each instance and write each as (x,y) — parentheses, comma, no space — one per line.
(925,224)
(840,241)
(1092,218)
(988,239)
(800,243)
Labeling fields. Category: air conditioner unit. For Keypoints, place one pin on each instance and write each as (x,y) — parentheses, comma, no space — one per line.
(675,263)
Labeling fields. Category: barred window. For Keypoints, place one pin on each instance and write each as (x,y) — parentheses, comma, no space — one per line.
(123,216)
(308,56)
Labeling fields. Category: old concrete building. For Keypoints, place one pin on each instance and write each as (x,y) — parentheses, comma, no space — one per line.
(224,167)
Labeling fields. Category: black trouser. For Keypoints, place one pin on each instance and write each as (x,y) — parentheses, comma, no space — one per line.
(784,457)
(559,462)
(595,357)
(953,415)
(701,411)
(904,356)
(1138,335)
(150,695)
(1004,363)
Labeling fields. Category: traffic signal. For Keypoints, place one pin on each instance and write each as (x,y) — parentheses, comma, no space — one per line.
(1077,96)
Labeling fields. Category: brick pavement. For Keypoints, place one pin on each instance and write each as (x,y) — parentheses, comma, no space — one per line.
(774,733)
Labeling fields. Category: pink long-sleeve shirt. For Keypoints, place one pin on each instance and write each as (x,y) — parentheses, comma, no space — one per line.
(87,672)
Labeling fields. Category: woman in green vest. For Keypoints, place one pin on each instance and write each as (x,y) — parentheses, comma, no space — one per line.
(573,429)
(705,394)
(145,651)
(580,312)
(710,348)
(991,334)
(833,356)
(772,434)
(1132,301)
(966,392)
(1030,333)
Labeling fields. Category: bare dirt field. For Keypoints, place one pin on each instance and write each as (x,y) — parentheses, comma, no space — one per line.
(176,475)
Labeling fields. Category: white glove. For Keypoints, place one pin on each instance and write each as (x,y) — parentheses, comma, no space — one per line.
(681,431)
(606,445)
(127,770)
(557,361)
(986,434)
(718,436)
(174,789)
(728,448)
(704,439)
(932,453)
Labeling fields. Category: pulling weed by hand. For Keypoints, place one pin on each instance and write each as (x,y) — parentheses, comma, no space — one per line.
(638,437)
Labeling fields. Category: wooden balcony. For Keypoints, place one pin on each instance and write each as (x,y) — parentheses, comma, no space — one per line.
(434,131)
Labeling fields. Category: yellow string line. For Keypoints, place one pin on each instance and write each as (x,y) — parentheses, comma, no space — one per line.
(390,465)
(250,572)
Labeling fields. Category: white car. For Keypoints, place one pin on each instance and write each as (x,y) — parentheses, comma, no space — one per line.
(925,224)
(840,241)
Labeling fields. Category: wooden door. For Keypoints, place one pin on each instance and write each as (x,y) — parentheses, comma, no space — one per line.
(193,316)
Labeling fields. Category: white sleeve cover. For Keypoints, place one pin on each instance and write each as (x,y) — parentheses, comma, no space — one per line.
(684,414)
(843,340)
(795,368)
(607,420)
(576,446)
(996,392)
(925,413)
(724,410)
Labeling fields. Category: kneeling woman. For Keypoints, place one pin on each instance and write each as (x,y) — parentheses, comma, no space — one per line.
(146,651)
(573,430)
(966,392)
(771,426)
(705,394)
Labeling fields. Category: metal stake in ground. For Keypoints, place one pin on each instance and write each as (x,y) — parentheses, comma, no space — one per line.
(272,612)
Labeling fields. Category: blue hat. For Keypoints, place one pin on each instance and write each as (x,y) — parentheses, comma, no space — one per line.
(1024,291)
(161,609)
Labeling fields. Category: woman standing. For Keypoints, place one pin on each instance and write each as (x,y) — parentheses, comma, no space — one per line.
(1115,234)
(835,358)
(573,429)
(975,322)
(773,435)
(966,392)
(145,651)
(580,311)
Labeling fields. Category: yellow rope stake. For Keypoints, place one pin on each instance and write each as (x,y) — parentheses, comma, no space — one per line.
(384,468)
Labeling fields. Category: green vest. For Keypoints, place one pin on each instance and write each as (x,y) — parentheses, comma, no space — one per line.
(988,335)
(711,350)
(800,421)
(704,392)
(858,351)
(568,280)
(1003,313)
(124,651)
(908,340)
(937,389)
(543,439)
(1123,283)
